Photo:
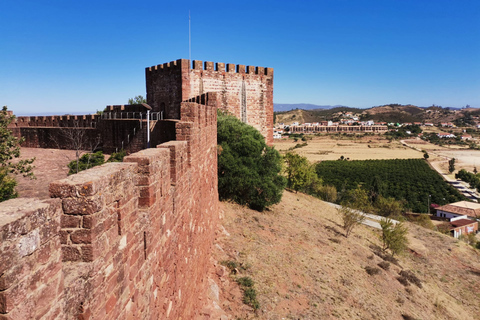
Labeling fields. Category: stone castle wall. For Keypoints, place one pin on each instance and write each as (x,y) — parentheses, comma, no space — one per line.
(245,91)
(127,240)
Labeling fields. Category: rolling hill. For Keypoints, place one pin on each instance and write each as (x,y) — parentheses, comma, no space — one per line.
(387,113)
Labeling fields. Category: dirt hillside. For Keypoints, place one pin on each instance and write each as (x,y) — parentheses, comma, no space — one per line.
(304,268)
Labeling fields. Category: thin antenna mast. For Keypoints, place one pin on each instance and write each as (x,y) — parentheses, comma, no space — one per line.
(189,38)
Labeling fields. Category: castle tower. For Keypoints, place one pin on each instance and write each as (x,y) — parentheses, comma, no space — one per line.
(245,91)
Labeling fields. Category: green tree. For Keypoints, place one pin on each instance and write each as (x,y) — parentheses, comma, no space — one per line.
(350,219)
(137,100)
(248,169)
(388,207)
(301,175)
(9,152)
(327,193)
(425,155)
(378,188)
(394,236)
(358,199)
(451,165)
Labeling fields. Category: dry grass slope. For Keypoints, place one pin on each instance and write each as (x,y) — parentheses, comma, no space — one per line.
(304,268)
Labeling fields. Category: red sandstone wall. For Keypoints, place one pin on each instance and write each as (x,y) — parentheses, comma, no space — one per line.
(31,278)
(55,137)
(237,85)
(165,88)
(127,240)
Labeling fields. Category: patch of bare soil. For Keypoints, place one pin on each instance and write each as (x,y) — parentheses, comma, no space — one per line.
(304,268)
(50,165)
(358,147)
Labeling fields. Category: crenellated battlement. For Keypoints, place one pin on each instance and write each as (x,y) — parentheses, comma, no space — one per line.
(245,91)
(169,66)
(143,107)
(55,121)
(209,66)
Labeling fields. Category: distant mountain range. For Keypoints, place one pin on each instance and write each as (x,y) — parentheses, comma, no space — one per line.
(304,106)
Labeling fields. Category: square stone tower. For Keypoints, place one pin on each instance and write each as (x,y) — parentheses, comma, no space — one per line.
(245,91)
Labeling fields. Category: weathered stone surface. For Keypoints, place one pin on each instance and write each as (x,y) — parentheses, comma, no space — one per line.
(121,241)
(246,92)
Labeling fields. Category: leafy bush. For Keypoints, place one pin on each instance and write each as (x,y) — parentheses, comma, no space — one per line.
(250,298)
(249,292)
(403,281)
(411,277)
(248,169)
(7,186)
(394,236)
(87,161)
(10,150)
(384,265)
(245,282)
(422,220)
(117,156)
(372,270)
(388,207)
(231,265)
(358,199)
(327,193)
(350,218)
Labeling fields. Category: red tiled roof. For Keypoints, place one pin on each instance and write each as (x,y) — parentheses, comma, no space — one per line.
(462,222)
(470,209)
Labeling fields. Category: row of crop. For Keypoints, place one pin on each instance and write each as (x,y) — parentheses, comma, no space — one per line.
(411,180)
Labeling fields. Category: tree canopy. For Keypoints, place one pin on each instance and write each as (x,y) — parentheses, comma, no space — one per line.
(248,169)
(137,100)
(9,151)
(301,175)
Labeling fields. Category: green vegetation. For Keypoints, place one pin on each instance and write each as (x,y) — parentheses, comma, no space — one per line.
(388,207)
(402,132)
(472,178)
(350,218)
(357,199)
(137,100)
(90,160)
(451,165)
(394,236)
(117,156)
(248,169)
(300,173)
(249,292)
(411,180)
(9,151)
(87,161)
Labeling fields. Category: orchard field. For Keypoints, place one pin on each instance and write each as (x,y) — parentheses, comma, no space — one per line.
(411,180)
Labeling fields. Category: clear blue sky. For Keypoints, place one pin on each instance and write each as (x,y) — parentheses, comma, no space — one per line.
(68,56)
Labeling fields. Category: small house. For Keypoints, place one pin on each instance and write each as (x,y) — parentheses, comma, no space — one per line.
(460,208)
(445,135)
(462,217)
(462,227)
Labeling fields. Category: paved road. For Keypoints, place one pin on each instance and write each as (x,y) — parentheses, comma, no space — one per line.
(371,219)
